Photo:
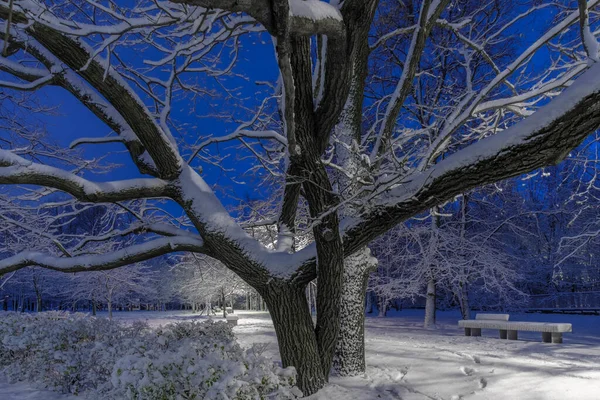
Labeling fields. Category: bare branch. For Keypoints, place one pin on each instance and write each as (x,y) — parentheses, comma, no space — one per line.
(17,170)
(590,44)
(77,56)
(102,262)
(542,139)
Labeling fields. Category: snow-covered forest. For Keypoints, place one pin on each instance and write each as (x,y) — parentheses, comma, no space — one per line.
(322,160)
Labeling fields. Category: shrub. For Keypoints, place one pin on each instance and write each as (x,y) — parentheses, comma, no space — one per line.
(98,358)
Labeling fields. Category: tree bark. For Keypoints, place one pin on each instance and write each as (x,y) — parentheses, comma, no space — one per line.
(349,356)
(295,334)
(223,303)
(109,306)
(430,308)
(465,308)
(382,307)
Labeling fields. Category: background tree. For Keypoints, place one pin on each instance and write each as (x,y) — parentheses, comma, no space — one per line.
(201,280)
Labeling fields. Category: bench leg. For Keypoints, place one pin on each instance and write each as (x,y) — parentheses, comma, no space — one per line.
(556,337)
(503,333)
(467,331)
(512,335)
(475,331)
(546,337)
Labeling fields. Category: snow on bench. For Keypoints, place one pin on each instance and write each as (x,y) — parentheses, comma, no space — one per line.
(500,317)
(551,332)
(232,319)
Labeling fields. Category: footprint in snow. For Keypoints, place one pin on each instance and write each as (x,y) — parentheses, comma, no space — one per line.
(467,371)
(482,383)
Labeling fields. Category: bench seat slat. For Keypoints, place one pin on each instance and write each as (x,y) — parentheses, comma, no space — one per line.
(499,317)
(516,325)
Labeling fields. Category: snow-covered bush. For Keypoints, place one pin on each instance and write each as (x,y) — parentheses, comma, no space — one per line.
(102,359)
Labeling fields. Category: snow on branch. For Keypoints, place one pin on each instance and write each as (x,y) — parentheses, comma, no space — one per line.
(311,17)
(102,140)
(544,138)
(468,105)
(590,44)
(74,84)
(307,17)
(102,262)
(49,32)
(550,86)
(29,74)
(157,228)
(240,133)
(315,10)
(428,15)
(18,170)
(29,86)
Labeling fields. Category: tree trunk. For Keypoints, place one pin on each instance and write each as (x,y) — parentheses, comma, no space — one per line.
(295,334)
(463,293)
(223,303)
(465,307)
(349,357)
(94,307)
(369,303)
(382,307)
(109,306)
(430,304)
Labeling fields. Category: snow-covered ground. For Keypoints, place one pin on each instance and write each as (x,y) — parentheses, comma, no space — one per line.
(408,362)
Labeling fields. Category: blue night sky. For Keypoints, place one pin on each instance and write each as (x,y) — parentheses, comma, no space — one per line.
(256,60)
(72,120)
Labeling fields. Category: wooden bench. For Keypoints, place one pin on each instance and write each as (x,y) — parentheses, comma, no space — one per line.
(551,332)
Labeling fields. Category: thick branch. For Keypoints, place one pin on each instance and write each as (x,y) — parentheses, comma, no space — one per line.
(17,170)
(286,224)
(543,139)
(75,85)
(307,17)
(102,262)
(77,57)
(342,56)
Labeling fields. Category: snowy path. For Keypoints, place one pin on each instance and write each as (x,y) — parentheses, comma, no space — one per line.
(408,362)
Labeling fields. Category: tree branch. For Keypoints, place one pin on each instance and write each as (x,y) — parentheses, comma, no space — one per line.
(102,262)
(78,57)
(430,12)
(544,138)
(590,44)
(307,17)
(17,170)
